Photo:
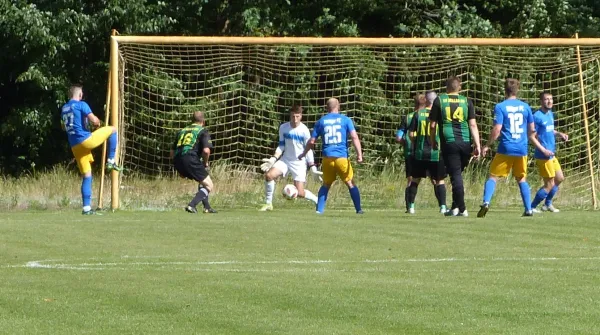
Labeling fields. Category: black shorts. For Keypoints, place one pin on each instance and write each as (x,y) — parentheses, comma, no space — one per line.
(435,170)
(191,167)
(408,165)
(456,155)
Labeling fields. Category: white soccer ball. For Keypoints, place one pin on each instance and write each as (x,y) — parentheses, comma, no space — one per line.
(290,191)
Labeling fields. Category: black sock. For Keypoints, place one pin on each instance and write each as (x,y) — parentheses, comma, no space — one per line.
(436,191)
(201,195)
(205,203)
(412,192)
(440,194)
(406,196)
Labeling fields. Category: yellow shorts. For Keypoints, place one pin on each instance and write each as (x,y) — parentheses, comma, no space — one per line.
(548,167)
(83,151)
(502,164)
(333,167)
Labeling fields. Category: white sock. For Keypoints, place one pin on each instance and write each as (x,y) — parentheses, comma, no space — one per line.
(308,195)
(110,160)
(87,208)
(269,188)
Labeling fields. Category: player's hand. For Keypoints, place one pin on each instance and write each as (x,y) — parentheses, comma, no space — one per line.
(547,153)
(359,159)
(315,173)
(564,136)
(484,151)
(268,164)
(476,152)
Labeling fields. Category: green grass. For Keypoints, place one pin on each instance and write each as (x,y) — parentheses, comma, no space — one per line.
(293,272)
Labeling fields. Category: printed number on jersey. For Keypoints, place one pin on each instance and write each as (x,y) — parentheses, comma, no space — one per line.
(333,134)
(458,114)
(516,125)
(67,119)
(185,139)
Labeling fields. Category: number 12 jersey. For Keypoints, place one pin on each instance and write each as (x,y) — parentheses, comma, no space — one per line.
(515,116)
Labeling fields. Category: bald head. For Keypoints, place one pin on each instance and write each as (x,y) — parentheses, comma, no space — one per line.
(333,105)
(198,117)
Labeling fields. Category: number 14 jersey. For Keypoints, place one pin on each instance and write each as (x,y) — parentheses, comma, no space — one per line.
(452,113)
(515,116)
(334,129)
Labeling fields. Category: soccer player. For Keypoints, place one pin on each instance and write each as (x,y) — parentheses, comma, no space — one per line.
(403,137)
(427,161)
(293,137)
(334,128)
(548,166)
(457,131)
(513,121)
(190,153)
(76,117)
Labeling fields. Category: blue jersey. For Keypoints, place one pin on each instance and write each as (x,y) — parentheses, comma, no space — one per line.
(544,127)
(74,118)
(334,128)
(515,116)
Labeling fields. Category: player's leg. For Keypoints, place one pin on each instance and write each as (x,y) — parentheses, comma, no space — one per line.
(344,170)
(559,177)
(437,172)
(206,204)
(277,170)
(419,171)
(84,158)
(329,175)
(546,170)
(500,167)
(99,136)
(452,161)
(519,169)
(196,170)
(408,162)
(298,172)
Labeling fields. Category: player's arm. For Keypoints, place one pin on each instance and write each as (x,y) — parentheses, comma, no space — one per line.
(412,128)
(87,111)
(313,139)
(532,134)
(435,116)
(269,162)
(564,136)
(495,133)
(474,129)
(355,140)
(206,145)
(400,133)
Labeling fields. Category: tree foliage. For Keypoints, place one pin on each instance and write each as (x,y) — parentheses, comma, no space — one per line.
(48,44)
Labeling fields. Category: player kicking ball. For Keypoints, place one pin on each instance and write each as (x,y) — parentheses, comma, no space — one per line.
(293,137)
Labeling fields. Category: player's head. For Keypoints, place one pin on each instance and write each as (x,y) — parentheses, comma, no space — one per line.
(76,92)
(453,84)
(333,105)
(295,114)
(420,101)
(430,96)
(198,117)
(511,87)
(546,101)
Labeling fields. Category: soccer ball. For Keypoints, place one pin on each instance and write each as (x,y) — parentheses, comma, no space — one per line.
(290,191)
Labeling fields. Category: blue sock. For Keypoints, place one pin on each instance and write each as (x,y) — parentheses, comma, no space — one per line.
(525,195)
(86,191)
(551,195)
(539,197)
(488,190)
(112,146)
(355,195)
(323,191)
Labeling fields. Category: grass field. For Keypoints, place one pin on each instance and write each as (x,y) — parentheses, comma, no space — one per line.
(292,272)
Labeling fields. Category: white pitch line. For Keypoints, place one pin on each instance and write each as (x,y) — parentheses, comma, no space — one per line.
(50,264)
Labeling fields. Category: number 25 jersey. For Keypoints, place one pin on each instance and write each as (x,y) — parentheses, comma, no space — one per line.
(334,128)
(515,116)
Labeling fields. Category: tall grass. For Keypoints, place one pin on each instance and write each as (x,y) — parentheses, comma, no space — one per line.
(59,188)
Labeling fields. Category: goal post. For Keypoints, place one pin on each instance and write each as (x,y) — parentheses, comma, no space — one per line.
(245,85)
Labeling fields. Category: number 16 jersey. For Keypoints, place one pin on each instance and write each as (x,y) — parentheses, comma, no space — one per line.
(515,116)
(334,129)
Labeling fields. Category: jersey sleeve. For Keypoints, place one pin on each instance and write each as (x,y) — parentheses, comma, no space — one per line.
(310,156)
(403,127)
(318,129)
(471,111)
(413,123)
(435,114)
(85,108)
(349,124)
(498,116)
(529,115)
(205,141)
(281,143)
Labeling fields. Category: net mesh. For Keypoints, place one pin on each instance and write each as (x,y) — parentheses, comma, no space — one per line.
(247,90)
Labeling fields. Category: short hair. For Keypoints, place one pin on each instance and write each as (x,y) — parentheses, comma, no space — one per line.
(198,117)
(420,100)
(453,84)
(543,94)
(332,103)
(75,89)
(296,109)
(430,96)
(511,86)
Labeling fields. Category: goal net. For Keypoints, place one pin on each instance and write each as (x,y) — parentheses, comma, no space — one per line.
(246,88)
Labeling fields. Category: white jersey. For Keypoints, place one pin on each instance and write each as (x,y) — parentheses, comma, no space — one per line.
(293,141)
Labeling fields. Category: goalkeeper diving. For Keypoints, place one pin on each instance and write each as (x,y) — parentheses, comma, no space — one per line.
(293,137)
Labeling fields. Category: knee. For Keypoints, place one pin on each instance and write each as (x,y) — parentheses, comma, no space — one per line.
(558,179)
(114,129)
(350,184)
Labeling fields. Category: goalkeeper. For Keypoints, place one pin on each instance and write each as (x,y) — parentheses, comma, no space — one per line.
(293,137)
(190,154)
(77,118)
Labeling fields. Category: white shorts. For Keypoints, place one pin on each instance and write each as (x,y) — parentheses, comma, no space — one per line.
(296,169)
